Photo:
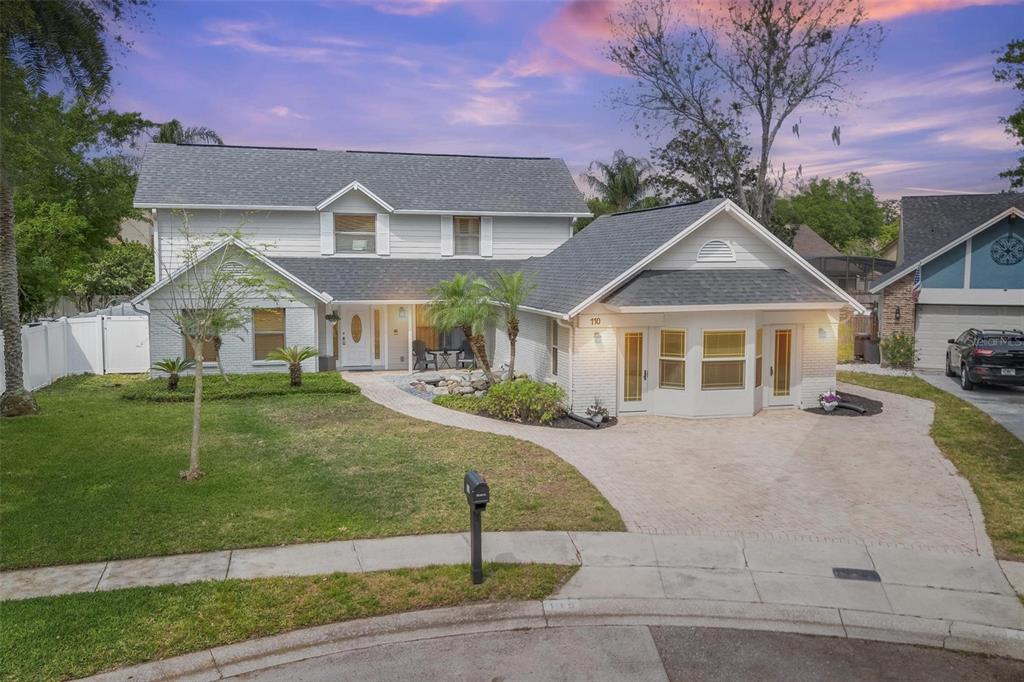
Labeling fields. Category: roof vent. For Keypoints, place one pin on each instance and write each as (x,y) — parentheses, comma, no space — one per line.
(716,251)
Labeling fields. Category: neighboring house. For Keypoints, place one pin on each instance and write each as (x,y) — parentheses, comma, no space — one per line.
(138,230)
(683,310)
(810,244)
(962,266)
(890,251)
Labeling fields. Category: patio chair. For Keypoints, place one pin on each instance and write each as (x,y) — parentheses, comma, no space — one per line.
(422,356)
(465,355)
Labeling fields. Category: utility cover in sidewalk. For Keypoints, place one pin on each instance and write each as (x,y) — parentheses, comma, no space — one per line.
(856,574)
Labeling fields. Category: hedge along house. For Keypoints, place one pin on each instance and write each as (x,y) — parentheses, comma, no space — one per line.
(960,265)
(688,310)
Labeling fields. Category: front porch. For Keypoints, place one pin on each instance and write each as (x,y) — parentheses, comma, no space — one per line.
(386,336)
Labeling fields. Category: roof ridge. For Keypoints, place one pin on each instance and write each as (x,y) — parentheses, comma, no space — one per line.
(658,208)
(241,146)
(460,156)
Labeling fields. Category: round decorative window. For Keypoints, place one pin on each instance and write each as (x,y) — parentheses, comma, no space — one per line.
(1008,250)
(356,328)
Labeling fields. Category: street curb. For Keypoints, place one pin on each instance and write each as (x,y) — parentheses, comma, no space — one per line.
(267,652)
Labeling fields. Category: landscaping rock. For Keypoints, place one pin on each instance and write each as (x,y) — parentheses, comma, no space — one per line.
(432,378)
(465,390)
(480,384)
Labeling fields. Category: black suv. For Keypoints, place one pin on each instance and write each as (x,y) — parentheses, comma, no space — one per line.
(989,356)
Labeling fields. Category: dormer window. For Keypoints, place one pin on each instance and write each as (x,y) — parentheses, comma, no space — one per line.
(716,251)
(466,232)
(355,233)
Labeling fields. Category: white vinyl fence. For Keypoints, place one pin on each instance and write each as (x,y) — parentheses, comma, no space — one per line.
(82,345)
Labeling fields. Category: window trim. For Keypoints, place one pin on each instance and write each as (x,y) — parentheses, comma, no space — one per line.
(371,234)
(742,359)
(455,235)
(681,359)
(283,332)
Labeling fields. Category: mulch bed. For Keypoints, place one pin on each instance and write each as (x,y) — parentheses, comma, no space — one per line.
(873,407)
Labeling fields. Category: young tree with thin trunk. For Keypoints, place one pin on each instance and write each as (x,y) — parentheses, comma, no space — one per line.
(510,290)
(750,64)
(464,302)
(210,295)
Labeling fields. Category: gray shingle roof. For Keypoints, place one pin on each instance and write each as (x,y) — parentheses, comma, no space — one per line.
(604,250)
(810,244)
(930,222)
(244,176)
(386,279)
(730,286)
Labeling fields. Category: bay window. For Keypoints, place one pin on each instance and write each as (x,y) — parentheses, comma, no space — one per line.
(723,362)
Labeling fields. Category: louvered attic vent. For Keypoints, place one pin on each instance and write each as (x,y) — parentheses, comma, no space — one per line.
(716,251)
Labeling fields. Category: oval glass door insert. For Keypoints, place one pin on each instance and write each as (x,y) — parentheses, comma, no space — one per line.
(356,328)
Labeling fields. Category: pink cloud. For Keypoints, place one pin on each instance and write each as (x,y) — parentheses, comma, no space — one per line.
(482,110)
(890,9)
(243,35)
(409,8)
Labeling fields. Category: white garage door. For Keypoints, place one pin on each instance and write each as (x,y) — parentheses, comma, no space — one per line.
(938,323)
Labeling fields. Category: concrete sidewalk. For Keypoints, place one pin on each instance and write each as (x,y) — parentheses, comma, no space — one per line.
(929,594)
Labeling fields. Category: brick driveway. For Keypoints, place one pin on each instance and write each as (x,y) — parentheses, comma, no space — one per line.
(782,474)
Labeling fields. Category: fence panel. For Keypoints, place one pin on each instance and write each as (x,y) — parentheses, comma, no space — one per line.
(79,345)
(126,344)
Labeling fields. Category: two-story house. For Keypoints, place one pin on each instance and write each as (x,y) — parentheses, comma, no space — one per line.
(683,310)
(960,265)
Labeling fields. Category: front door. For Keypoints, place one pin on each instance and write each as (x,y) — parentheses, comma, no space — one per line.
(633,371)
(356,336)
(781,366)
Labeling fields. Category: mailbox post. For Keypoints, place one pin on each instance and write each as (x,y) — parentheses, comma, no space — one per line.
(478,494)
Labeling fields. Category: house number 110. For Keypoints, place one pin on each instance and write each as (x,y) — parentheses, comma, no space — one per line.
(595,322)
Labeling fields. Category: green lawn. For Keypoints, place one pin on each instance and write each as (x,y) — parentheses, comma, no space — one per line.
(81,634)
(95,476)
(988,456)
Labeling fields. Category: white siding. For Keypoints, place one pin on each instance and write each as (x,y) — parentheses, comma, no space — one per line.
(751,250)
(532,347)
(526,237)
(354,202)
(278,233)
(415,236)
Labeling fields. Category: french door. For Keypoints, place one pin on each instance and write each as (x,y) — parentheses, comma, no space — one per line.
(782,365)
(633,370)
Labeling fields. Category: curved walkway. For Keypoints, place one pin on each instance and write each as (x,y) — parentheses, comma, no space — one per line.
(784,474)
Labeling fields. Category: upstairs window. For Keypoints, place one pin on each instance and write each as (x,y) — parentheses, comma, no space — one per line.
(466,232)
(355,233)
(716,251)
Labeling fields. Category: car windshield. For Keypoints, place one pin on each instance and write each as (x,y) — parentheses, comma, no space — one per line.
(1007,341)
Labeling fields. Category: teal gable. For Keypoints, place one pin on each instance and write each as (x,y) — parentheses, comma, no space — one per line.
(946,271)
(986,273)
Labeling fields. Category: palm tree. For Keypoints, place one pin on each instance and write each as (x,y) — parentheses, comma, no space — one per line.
(39,40)
(173,367)
(173,132)
(464,302)
(625,184)
(294,356)
(511,291)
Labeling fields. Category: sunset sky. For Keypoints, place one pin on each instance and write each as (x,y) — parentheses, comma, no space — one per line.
(529,78)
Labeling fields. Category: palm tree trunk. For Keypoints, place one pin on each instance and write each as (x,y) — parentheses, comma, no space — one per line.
(480,351)
(295,369)
(194,472)
(15,401)
(217,343)
(512,329)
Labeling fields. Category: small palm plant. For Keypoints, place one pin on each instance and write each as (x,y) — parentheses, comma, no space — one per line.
(173,367)
(293,355)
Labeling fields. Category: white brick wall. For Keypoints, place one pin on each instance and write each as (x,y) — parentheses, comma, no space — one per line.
(594,368)
(817,361)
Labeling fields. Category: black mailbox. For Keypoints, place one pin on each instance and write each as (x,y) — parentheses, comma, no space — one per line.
(478,494)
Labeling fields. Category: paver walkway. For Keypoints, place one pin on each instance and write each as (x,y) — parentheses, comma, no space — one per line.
(784,474)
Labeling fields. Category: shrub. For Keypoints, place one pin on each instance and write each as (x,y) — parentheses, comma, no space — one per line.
(294,356)
(525,400)
(462,403)
(899,350)
(173,368)
(240,386)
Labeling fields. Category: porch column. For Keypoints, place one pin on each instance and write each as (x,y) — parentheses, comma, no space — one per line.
(410,322)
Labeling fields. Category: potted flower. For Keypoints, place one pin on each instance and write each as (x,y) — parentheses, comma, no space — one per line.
(829,400)
(597,412)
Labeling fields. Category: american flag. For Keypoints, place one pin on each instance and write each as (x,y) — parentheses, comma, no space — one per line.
(917,284)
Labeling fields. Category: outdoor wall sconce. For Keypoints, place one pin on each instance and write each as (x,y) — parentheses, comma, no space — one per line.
(401,313)
(896,314)
(597,338)
(332,316)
